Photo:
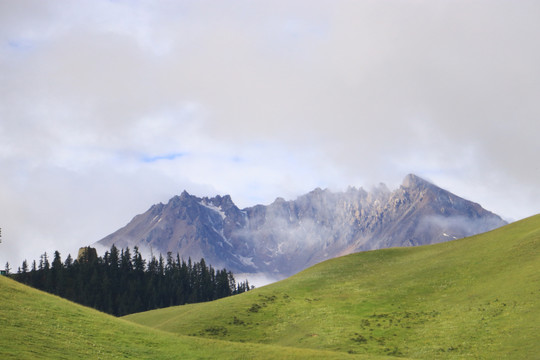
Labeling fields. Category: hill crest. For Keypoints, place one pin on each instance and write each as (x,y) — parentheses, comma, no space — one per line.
(473,298)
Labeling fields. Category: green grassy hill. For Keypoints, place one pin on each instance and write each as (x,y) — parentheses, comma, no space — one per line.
(477,297)
(36,325)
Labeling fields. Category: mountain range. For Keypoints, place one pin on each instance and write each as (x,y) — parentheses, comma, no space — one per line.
(285,237)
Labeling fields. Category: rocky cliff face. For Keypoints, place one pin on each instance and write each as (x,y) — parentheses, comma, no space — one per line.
(285,237)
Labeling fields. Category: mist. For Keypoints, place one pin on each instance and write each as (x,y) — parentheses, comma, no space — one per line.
(107,107)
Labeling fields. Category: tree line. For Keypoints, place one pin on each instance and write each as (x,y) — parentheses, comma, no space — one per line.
(121,283)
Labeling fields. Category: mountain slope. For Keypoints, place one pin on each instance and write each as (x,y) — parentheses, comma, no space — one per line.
(287,236)
(469,298)
(36,325)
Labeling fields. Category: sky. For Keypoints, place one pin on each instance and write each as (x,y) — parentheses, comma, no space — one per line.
(108,107)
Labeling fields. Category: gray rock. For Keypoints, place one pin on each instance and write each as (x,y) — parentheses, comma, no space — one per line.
(285,237)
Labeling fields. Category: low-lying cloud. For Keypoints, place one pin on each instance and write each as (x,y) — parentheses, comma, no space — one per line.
(264,100)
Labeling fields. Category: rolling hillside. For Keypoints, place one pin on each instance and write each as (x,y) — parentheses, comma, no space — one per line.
(477,297)
(36,325)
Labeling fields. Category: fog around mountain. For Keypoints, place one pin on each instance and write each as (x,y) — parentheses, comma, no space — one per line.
(280,239)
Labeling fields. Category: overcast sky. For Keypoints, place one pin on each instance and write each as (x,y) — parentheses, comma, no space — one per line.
(108,107)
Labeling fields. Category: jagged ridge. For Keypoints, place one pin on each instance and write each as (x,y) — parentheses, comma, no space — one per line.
(287,236)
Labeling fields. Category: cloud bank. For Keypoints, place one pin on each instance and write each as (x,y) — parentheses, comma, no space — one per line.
(107,107)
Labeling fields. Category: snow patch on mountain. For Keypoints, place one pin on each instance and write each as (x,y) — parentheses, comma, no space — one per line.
(214,208)
(287,236)
(248,261)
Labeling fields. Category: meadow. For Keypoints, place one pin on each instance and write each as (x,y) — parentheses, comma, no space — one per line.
(37,325)
(477,297)
(472,298)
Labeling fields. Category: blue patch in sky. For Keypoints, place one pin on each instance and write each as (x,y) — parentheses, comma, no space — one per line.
(171,156)
(19,44)
(237,159)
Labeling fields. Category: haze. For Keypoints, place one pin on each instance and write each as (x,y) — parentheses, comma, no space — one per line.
(107,107)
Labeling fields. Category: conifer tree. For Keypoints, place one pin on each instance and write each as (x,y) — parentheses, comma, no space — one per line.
(121,283)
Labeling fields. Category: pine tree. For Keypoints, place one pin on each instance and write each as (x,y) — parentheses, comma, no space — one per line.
(56,277)
(121,284)
(68,262)
(57,262)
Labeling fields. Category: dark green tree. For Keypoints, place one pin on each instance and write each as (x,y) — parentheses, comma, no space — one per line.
(120,283)
(24,268)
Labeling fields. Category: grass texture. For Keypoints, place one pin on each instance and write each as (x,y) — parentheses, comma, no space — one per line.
(474,298)
(37,325)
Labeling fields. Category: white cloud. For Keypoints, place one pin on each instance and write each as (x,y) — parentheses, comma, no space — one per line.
(258,101)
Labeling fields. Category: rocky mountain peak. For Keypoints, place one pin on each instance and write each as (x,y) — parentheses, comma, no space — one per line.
(287,236)
(180,199)
(279,201)
(184,195)
(414,181)
(222,202)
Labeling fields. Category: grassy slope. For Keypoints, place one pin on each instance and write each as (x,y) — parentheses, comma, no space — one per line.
(36,325)
(472,298)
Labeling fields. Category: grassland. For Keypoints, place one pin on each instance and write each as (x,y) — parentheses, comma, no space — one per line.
(36,325)
(475,298)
